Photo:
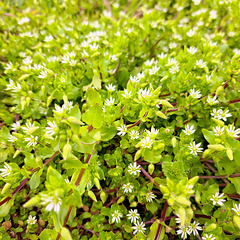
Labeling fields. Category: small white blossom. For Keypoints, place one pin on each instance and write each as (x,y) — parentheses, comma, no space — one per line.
(110,102)
(183,230)
(15,126)
(134,79)
(110,87)
(23,20)
(212,100)
(13,87)
(31,220)
(134,134)
(196,2)
(32,141)
(195,148)
(218,199)
(9,66)
(117,34)
(52,129)
(6,171)
(53,59)
(127,94)
(133,168)
(172,45)
(94,47)
(116,216)
(189,130)
(28,126)
(174,69)
(51,202)
(12,138)
(139,227)
(149,63)
(122,130)
(232,132)
(146,93)
(218,131)
(153,133)
(59,110)
(162,55)
(153,70)
(220,114)
(133,215)
(43,74)
(171,61)
(208,237)
(146,142)
(127,188)
(192,50)
(48,38)
(191,33)
(213,14)
(195,94)
(201,64)
(27,61)
(72,62)
(68,105)
(150,196)
(236,209)
(194,228)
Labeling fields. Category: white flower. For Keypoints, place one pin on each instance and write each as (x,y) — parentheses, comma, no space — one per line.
(231,34)
(32,141)
(195,148)
(196,2)
(134,134)
(122,130)
(28,126)
(146,142)
(174,69)
(183,230)
(192,50)
(59,110)
(149,62)
(127,188)
(53,59)
(12,138)
(116,216)
(146,93)
(150,196)
(195,94)
(134,79)
(213,14)
(94,47)
(133,168)
(12,86)
(31,220)
(236,209)
(220,114)
(52,129)
(194,228)
(191,33)
(110,102)
(133,215)
(127,94)
(153,70)
(153,133)
(23,20)
(172,45)
(15,126)
(162,55)
(9,66)
(117,34)
(68,105)
(212,100)
(139,227)
(171,61)
(110,87)
(43,74)
(27,61)
(189,130)
(72,62)
(48,38)
(208,237)
(218,199)
(37,67)
(201,64)
(232,132)
(52,202)
(6,171)
(65,59)
(218,131)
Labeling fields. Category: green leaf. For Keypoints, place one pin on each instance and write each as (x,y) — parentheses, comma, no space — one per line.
(94,116)
(65,234)
(107,133)
(35,179)
(209,136)
(4,209)
(93,97)
(48,234)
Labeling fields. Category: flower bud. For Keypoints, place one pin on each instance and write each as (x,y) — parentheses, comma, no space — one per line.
(236,220)
(217,147)
(33,201)
(211,227)
(230,153)
(138,155)
(97,183)
(92,195)
(66,150)
(16,153)
(150,168)
(49,100)
(74,120)
(133,204)
(103,197)
(6,187)
(121,199)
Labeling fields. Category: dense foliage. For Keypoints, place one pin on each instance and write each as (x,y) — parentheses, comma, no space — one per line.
(119,119)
